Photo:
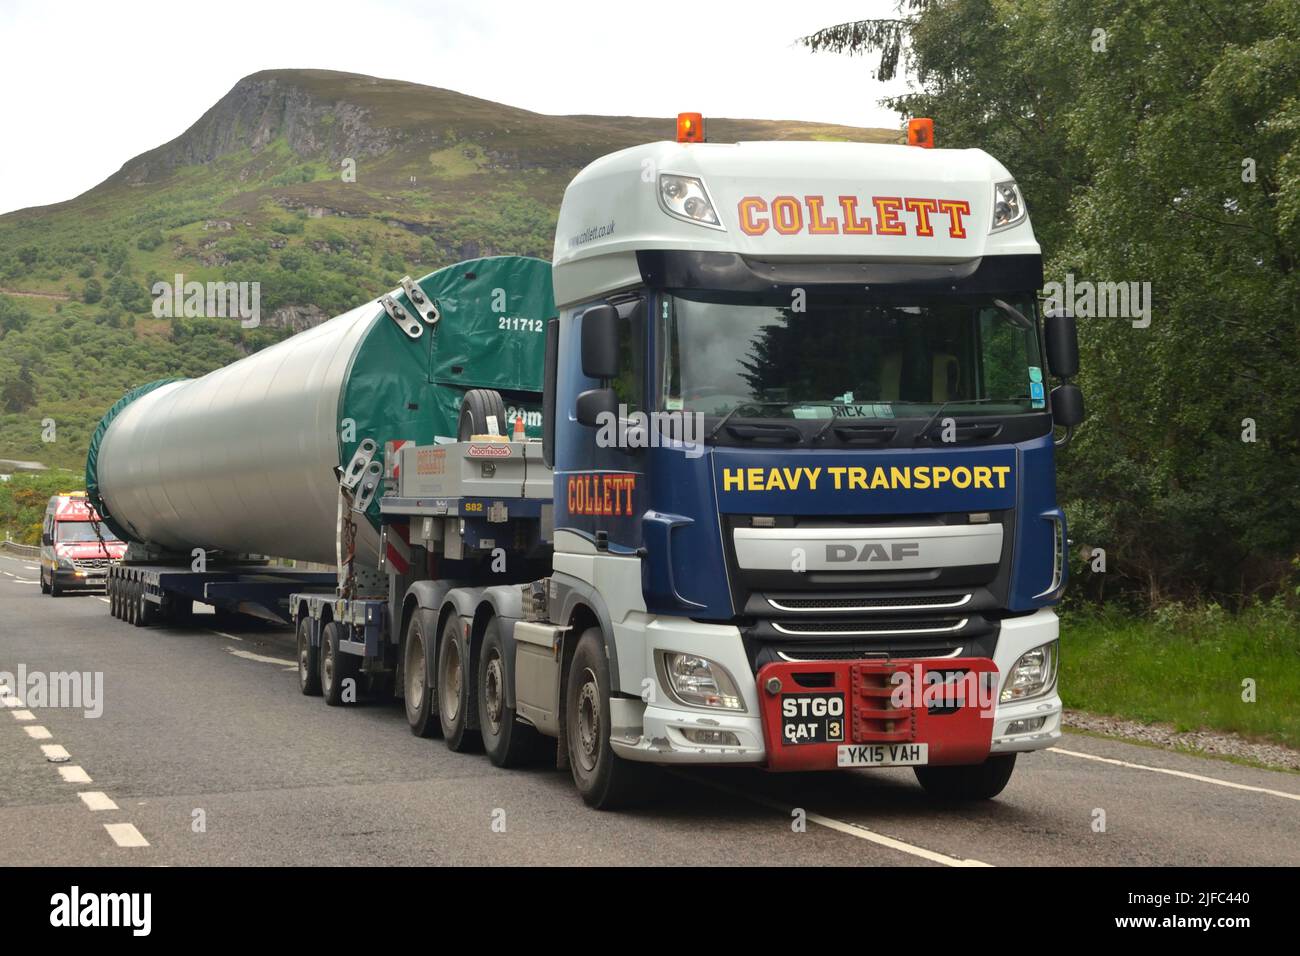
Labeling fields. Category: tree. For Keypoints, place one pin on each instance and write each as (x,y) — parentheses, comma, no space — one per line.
(1155,143)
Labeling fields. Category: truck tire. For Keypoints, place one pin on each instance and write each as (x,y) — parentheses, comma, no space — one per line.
(454,682)
(509,742)
(45,588)
(475,407)
(981,781)
(55,590)
(148,610)
(604,780)
(418,656)
(137,603)
(308,660)
(336,666)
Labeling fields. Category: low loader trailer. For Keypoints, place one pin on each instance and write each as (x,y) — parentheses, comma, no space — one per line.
(759,470)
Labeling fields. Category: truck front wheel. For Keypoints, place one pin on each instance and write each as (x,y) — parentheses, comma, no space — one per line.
(416,668)
(455,687)
(605,780)
(981,781)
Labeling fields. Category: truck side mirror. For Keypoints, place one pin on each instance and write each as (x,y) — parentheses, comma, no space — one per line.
(594,403)
(1067,405)
(600,342)
(47,538)
(1062,344)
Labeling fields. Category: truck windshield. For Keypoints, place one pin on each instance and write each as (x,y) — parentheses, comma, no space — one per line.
(77,531)
(767,359)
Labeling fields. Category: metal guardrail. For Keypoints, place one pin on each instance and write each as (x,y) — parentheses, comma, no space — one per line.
(22,550)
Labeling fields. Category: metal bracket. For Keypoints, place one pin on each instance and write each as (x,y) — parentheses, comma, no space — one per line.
(369,486)
(357,466)
(405,321)
(423,303)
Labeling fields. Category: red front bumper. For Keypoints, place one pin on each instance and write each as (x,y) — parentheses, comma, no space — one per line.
(812,709)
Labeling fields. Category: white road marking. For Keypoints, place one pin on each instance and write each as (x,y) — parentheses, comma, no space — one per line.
(74,774)
(38,733)
(262,658)
(23,715)
(97,800)
(229,637)
(30,567)
(55,753)
(105,600)
(18,580)
(11,701)
(7,573)
(850,829)
(125,834)
(1177,773)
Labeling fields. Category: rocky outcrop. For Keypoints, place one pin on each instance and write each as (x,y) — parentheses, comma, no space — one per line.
(258,110)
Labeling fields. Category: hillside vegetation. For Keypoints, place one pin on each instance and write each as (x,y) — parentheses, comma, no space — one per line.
(258,190)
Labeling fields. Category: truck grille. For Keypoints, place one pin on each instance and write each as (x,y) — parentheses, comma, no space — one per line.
(841,627)
(90,564)
(859,602)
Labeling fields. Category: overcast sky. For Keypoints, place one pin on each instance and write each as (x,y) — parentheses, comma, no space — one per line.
(88,85)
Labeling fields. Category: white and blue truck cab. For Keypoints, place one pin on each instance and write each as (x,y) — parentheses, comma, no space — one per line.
(804,455)
(794,501)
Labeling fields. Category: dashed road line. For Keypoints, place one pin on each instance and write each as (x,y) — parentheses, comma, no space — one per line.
(849,829)
(37,732)
(1176,773)
(23,715)
(97,800)
(262,658)
(74,774)
(125,834)
(55,753)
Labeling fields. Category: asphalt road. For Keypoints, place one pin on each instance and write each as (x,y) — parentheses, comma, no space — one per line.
(205,753)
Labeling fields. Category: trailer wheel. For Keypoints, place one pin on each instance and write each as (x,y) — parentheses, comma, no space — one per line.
(133,604)
(454,685)
(308,660)
(111,587)
(148,610)
(336,667)
(509,742)
(605,780)
(417,675)
(475,407)
(981,781)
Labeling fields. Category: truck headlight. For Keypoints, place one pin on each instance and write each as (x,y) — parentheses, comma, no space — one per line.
(700,682)
(1008,205)
(65,564)
(684,197)
(1032,675)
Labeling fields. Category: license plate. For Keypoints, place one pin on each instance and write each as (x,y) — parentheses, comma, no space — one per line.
(812,718)
(883,755)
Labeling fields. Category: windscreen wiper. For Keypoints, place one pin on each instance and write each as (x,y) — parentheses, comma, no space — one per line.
(727,417)
(925,429)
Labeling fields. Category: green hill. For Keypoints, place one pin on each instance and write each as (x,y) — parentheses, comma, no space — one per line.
(255,190)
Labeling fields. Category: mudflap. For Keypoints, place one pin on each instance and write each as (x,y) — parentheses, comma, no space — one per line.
(822,715)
